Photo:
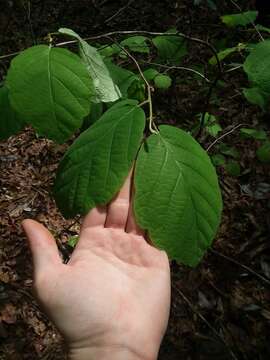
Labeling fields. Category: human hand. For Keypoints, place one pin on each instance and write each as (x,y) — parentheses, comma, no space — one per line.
(112,299)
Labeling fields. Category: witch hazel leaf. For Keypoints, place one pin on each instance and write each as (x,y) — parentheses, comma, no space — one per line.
(177,196)
(10,122)
(50,89)
(106,90)
(95,166)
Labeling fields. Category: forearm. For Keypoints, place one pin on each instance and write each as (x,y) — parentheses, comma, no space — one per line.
(109,354)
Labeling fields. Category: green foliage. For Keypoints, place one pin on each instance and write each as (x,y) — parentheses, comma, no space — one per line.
(106,90)
(263,153)
(136,44)
(241,19)
(95,114)
(257,96)
(170,48)
(262,28)
(150,74)
(108,51)
(50,89)
(256,67)
(163,81)
(225,53)
(253,133)
(10,122)
(177,197)
(257,64)
(233,168)
(97,163)
(73,240)
(229,151)
(121,77)
(212,125)
(218,159)
(137,90)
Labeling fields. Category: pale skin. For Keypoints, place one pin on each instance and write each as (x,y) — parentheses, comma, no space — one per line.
(112,299)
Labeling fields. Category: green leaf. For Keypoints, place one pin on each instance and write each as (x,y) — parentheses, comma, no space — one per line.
(262,28)
(137,90)
(226,52)
(162,81)
(97,163)
(241,19)
(136,44)
(233,168)
(109,50)
(211,125)
(10,122)
(229,151)
(122,78)
(170,48)
(218,159)
(257,66)
(253,133)
(150,74)
(214,129)
(50,88)
(95,114)
(263,153)
(106,90)
(73,240)
(222,55)
(177,196)
(256,96)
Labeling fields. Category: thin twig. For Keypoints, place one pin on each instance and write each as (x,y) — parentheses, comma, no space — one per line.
(178,68)
(119,12)
(208,99)
(224,135)
(245,267)
(192,307)
(234,68)
(28,14)
(152,127)
(134,32)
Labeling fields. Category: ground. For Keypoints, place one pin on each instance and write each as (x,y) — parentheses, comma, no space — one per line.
(220,309)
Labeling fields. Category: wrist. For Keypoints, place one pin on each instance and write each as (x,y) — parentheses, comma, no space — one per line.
(109,353)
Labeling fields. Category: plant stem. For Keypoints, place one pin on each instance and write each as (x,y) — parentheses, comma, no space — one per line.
(152,126)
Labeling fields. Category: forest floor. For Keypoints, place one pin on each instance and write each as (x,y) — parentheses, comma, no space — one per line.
(221,309)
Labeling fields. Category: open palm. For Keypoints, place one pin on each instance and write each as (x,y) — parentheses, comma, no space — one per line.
(114,291)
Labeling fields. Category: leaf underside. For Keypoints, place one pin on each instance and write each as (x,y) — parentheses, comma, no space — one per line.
(97,163)
(105,89)
(177,196)
(50,88)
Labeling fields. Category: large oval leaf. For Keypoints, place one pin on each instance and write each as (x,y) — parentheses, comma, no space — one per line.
(170,48)
(10,122)
(240,19)
(97,163)
(51,89)
(177,197)
(257,66)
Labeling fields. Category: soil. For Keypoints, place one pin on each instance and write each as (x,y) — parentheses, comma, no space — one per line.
(220,309)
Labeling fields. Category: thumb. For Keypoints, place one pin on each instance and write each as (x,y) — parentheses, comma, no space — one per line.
(42,245)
